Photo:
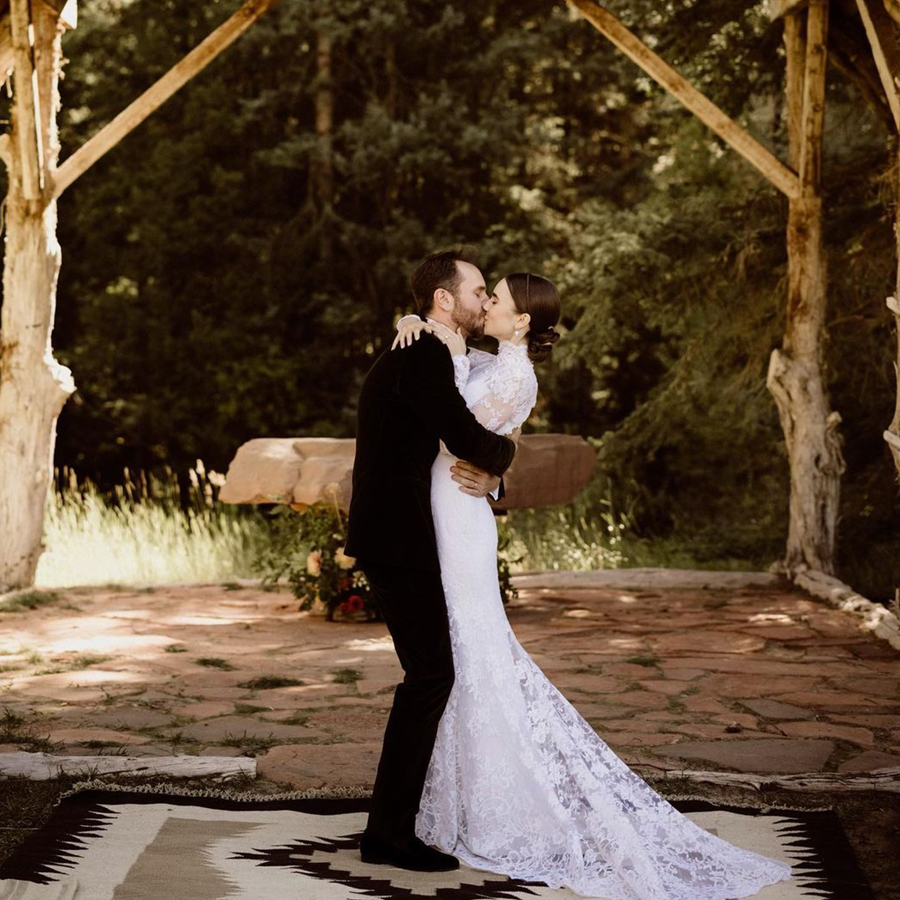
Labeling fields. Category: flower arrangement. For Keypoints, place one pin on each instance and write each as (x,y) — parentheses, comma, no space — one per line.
(309,549)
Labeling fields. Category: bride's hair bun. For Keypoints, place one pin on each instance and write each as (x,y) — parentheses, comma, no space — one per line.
(539,298)
(541,343)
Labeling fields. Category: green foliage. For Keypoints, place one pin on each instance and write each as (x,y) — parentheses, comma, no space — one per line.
(308,549)
(28,600)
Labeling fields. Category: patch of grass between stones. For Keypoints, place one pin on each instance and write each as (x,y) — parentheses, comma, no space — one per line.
(215,662)
(251,745)
(16,729)
(643,660)
(269,682)
(346,676)
(28,600)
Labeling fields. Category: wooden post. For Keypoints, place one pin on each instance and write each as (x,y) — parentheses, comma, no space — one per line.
(25,101)
(892,434)
(33,385)
(322,169)
(795,371)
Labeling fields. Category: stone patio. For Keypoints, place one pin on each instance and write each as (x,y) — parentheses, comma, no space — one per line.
(735,674)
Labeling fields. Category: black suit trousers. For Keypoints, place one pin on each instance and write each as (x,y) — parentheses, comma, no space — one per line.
(415,611)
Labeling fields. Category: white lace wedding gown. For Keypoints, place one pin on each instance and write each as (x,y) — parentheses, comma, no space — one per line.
(519,783)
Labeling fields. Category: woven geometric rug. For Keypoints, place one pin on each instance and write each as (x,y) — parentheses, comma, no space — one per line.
(128,844)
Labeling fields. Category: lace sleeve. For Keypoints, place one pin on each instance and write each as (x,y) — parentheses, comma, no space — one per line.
(511,395)
(461,366)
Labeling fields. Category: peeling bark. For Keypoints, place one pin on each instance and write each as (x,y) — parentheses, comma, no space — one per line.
(33,385)
(795,377)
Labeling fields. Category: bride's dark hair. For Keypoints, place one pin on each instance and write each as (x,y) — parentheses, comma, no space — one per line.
(539,298)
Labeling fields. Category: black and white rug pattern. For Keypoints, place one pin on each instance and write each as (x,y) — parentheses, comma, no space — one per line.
(110,844)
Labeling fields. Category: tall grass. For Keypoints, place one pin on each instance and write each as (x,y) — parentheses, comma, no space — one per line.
(591,534)
(143,532)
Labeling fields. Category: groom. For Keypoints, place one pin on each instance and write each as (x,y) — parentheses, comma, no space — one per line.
(408,404)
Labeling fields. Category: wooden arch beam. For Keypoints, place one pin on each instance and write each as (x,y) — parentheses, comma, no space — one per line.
(135,113)
(780,175)
(882,35)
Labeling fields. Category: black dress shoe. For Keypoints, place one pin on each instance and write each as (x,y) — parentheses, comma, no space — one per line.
(413,854)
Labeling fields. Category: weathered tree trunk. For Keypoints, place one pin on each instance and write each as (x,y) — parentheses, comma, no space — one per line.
(323,167)
(33,385)
(892,435)
(795,371)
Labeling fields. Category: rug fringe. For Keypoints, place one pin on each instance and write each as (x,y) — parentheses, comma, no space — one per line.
(352,792)
(167,787)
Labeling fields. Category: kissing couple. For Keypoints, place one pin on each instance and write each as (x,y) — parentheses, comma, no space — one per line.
(484,761)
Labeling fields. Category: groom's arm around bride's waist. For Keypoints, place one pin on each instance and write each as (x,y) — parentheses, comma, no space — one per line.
(427,384)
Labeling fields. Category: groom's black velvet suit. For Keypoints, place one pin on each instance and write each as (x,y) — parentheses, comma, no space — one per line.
(408,404)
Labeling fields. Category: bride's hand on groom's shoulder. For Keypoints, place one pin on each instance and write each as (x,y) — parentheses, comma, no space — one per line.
(410,331)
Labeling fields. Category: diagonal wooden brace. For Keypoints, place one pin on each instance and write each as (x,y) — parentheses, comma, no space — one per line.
(157,94)
(780,175)
(882,36)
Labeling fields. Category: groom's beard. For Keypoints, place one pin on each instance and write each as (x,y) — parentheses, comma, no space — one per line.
(472,323)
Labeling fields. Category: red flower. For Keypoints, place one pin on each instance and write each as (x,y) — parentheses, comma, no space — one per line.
(354,603)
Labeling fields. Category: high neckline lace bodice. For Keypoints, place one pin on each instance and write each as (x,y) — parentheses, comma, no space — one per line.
(512,350)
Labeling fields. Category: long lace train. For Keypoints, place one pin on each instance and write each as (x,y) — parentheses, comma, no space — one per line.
(520,784)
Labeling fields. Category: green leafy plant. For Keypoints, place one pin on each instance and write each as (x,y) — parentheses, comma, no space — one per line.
(308,549)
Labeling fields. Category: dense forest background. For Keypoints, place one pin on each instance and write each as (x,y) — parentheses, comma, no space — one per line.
(231,270)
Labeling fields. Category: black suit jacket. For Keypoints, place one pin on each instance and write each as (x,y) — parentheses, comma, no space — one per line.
(408,404)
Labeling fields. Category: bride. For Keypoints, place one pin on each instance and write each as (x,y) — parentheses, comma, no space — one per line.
(518,782)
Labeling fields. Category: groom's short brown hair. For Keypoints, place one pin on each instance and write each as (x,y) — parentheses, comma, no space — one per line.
(437,270)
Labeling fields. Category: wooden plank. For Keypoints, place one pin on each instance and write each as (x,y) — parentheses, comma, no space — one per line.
(885,50)
(887,779)
(132,116)
(779,8)
(26,133)
(810,168)
(44,766)
(711,115)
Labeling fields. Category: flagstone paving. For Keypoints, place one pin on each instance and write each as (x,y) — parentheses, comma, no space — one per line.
(754,678)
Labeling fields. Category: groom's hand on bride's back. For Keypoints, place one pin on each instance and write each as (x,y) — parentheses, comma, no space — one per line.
(472,480)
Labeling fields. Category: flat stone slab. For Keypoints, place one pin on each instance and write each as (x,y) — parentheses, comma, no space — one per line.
(870,761)
(225,727)
(321,765)
(758,755)
(772,709)
(92,735)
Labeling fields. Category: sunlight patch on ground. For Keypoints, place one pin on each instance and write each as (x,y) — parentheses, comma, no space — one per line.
(369,644)
(777,618)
